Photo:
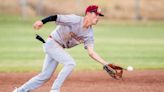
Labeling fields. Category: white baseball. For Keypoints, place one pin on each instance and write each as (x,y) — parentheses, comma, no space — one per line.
(130,68)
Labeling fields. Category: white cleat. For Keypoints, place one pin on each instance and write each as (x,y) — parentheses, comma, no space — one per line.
(54,91)
(15,90)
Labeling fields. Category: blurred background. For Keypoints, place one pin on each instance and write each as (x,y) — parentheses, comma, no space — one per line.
(113,9)
(131,33)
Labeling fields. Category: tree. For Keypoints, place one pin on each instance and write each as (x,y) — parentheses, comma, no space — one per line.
(23,4)
(40,7)
(137,10)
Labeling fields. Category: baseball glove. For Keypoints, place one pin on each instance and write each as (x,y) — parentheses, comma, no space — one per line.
(114,71)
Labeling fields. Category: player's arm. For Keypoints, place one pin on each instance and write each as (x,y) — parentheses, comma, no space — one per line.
(95,56)
(114,71)
(38,24)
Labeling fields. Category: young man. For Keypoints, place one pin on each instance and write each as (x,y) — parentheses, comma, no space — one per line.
(71,30)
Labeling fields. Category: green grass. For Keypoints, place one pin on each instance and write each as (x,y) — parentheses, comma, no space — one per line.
(139,44)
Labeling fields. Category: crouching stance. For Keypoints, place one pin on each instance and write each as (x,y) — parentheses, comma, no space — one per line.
(71,30)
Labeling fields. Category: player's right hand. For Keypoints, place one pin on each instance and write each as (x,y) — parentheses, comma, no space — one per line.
(38,24)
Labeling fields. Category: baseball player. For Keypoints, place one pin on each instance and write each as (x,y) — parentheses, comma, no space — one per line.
(71,30)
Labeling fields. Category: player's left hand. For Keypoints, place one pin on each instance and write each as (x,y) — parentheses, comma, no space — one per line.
(114,71)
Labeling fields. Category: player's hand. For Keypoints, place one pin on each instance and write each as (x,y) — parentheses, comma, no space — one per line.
(114,71)
(38,24)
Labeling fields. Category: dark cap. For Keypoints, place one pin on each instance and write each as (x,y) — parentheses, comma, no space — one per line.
(95,9)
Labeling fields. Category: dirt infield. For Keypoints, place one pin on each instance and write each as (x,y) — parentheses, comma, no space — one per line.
(136,81)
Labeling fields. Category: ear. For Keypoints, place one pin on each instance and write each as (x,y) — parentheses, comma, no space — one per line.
(88,14)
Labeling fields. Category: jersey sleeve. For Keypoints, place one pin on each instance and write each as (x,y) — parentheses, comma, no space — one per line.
(89,40)
(67,19)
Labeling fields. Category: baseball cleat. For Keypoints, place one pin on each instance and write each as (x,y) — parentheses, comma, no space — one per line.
(54,91)
(15,90)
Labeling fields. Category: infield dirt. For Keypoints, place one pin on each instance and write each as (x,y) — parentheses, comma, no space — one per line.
(92,81)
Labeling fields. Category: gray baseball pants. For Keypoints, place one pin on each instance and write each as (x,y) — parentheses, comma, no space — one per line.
(55,54)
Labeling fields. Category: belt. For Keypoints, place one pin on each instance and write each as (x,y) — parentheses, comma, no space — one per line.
(56,41)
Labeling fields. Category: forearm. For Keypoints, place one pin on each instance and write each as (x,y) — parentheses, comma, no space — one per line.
(49,19)
(97,58)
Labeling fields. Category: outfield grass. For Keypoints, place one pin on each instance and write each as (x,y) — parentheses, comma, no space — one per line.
(139,44)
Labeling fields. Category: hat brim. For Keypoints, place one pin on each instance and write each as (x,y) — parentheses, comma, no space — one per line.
(100,14)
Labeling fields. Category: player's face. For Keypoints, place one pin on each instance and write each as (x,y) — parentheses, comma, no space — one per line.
(94,18)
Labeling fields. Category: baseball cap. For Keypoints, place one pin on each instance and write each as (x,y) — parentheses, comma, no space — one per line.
(95,9)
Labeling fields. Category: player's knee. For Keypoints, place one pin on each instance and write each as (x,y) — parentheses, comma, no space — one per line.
(44,76)
(71,65)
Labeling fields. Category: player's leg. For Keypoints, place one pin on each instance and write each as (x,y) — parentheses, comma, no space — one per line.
(48,68)
(60,55)
(62,76)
